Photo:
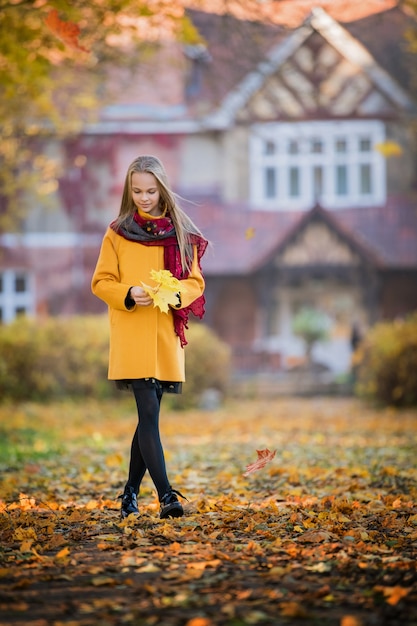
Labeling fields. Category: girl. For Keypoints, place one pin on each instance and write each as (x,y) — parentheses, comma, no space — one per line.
(146,345)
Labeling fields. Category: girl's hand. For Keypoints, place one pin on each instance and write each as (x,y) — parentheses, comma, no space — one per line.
(140,296)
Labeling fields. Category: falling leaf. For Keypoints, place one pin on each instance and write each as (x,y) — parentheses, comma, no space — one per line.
(67,32)
(389,149)
(264,457)
(250,232)
(165,293)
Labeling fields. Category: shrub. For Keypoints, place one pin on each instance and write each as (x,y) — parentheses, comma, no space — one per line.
(207,366)
(45,359)
(386,363)
(42,359)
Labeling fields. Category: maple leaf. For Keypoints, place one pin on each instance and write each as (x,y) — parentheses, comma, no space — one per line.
(250,232)
(165,293)
(264,457)
(393,594)
(67,32)
(63,554)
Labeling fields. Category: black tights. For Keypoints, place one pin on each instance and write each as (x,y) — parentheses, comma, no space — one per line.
(146,451)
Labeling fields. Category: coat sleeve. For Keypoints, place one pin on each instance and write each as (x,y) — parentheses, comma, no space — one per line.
(105,283)
(193,285)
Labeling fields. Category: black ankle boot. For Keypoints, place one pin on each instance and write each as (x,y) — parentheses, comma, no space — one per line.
(170,505)
(129,502)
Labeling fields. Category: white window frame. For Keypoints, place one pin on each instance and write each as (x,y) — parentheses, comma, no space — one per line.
(13,302)
(282,134)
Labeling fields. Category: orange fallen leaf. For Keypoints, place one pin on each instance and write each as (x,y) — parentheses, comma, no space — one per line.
(62,554)
(264,457)
(92,504)
(26,545)
(350,620)
(199,621)
(292,609)
(203,564)
(393,594)
(67,32)
(250,232)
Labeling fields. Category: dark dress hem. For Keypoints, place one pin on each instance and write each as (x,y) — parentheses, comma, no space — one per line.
(167,386)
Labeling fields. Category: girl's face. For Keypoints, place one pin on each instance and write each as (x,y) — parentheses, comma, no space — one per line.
(145,193)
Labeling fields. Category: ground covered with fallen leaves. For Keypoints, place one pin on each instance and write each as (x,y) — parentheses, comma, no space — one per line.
(324,534)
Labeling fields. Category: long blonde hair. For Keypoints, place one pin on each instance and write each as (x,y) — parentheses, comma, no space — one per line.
(184,226)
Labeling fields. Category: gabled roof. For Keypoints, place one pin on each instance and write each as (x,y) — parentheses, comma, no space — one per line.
(339,38)
(350,239)
(390,231)
(386,37)
(244,240)
(240,57)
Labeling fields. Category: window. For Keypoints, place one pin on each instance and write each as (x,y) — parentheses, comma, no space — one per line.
(270,182)
(293,147)
(333,163)
(318,181)
(365,179)
(341,180)
(16,295)
(294,182)
(316,146)
(365,144)
(20,283)
(269,147)
(341,145)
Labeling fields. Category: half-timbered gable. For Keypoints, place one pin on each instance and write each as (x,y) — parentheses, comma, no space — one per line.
(319,71)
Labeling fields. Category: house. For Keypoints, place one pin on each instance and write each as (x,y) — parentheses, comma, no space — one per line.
(295,148)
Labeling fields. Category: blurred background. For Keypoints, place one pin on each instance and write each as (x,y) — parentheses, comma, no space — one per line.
(287,127)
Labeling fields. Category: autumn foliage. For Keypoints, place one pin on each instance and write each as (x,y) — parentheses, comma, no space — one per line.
(66,31)
(386,363)
(324,533)
(67,357)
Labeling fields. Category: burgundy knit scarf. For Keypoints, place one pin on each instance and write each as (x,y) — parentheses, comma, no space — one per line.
(161,232)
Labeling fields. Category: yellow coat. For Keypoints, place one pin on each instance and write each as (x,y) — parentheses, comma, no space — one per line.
(143,343)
